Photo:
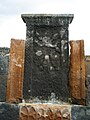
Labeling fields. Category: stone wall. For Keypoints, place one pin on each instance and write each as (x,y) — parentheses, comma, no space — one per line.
(4,61)
(40,111)
(87,59)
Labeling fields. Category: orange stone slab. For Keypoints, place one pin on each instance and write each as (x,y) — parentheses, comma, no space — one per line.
(77,70)
(44,112)
(16,71)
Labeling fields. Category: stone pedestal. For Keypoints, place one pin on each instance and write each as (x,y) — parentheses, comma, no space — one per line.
(46,55)
(45,112)
(28,111)
(54,112)
(9,111)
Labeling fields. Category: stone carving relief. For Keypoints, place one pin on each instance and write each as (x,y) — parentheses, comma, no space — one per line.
(44,113)
(46,55)
(49,46)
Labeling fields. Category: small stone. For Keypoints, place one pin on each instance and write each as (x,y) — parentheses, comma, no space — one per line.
(46,57)
(39,53)
(56,56)
(51,67)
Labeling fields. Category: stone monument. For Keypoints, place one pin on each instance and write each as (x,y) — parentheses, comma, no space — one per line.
(46,55)
(47,75)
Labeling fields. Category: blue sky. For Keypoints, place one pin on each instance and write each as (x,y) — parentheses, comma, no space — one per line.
(12,26)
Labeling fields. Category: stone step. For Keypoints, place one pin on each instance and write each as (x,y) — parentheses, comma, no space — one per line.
(27,111)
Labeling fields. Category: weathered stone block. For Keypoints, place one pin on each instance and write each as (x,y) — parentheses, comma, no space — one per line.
(9,111)
(44,112)
(4,60)
(46,56)
(3,84)
(87,62)
(88,90)
(80,113)
(77,72)
(16,71)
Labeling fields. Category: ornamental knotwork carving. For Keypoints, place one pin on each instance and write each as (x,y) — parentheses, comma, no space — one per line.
(49,45)
(43,113)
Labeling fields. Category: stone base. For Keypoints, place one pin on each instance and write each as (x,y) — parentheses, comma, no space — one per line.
(9,111)
(80,113)
(26,111)
(54,112)
(45,112)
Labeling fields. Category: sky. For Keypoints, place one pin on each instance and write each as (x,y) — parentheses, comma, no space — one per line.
(12,25)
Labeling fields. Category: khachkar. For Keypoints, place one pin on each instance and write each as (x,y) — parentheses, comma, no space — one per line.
(46,55)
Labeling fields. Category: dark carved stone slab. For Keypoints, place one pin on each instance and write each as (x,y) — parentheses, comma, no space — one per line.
(9,112)
(3,82)
(88,90)
(46,56)
(4,60)
(87,62)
